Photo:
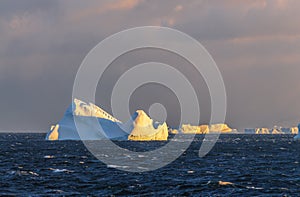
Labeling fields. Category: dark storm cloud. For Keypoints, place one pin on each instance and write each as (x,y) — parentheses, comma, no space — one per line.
(255,43)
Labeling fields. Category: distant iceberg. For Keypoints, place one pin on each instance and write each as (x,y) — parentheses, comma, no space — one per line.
(297,137)
(275,130)
(203,129)
(140,127)
(262,131)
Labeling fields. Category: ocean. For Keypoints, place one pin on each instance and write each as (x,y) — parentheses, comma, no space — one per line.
(255,165)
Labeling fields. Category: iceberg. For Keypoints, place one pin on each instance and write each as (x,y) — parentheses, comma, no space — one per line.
(204,129)
(294,130)
(262,131)
(173,131)
(223,128)
(85,114)
(297,137)
(144,129)
(139,127)
(190,129)
(275,130)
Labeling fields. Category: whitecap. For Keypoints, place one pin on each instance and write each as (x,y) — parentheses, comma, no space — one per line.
(60,170)
(142,168)
(33,173)
(116,166)
(49,156)
(252,187)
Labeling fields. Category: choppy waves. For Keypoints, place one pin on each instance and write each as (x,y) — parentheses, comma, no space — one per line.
(238,165)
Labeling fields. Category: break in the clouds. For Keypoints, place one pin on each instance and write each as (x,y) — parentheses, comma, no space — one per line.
(255,43)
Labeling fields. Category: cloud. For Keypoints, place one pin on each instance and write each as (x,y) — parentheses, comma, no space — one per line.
(254,42)
(178,8)
(96,9)
(22,24)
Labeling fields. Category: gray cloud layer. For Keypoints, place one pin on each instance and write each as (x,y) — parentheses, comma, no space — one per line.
(255,43)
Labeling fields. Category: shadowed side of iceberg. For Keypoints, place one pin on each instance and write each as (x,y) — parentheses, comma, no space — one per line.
(66,129)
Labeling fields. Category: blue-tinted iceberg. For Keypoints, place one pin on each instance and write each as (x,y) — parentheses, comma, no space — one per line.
(87,118)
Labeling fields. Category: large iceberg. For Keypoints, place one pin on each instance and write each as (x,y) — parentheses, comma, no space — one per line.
(139,127)
(85,114)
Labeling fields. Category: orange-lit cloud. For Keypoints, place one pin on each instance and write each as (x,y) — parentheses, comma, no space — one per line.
(98,9)
(282,4)
(178,8)
(259,4)
(246,4)
(22,24)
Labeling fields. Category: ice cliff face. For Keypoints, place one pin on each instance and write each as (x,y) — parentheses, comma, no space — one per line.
(140,127)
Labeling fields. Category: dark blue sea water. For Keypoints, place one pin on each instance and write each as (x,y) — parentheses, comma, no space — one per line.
(265,165)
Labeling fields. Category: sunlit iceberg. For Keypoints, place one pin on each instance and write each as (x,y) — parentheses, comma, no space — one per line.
(297,137)
(262,131)
(145,129)
(205,129)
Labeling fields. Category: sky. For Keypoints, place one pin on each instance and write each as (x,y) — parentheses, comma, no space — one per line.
(255,43)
